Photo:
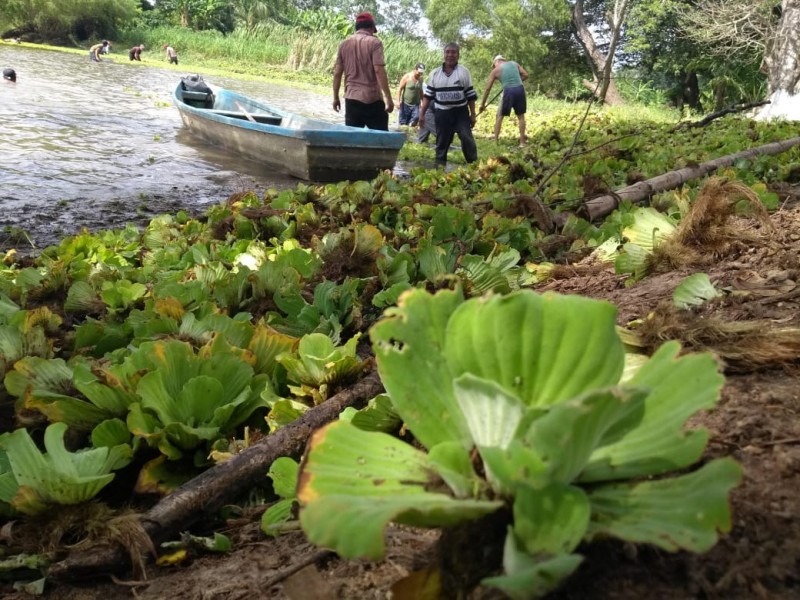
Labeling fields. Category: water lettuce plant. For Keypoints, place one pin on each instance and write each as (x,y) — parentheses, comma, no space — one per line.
(25,333)
(283,473)
(33,482)
(319,364)
(630,251)
(694,290)
(68,393)
(519,405)
(187,400)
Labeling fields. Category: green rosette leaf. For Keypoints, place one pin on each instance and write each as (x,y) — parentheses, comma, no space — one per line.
(283,473)
(526,577)
(678,513)
(409,348)
(569,345)
(276,515)
(550,520)
(353,483)
(378,415)
(678,388)
(694,290)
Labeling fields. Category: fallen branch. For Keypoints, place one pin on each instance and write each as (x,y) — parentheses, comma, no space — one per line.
(597,208)
(568,154)
(720,113)
(223,483)
(294,568)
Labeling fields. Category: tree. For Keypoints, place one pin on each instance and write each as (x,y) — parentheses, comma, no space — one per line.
(199,14)
(762,30)
(59,21)
(691,71)
(782,59)
(601,61)
(250,14)
(456,20)
(726,28)
(517,30)
(402,17)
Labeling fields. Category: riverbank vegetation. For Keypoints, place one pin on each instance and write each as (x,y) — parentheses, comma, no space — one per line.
(263,307)
(421,343)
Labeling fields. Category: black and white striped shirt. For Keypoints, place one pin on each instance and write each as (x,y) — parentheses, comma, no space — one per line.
(450,91)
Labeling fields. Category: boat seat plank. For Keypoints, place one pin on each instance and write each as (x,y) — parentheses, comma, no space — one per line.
(260,118)
(189,95)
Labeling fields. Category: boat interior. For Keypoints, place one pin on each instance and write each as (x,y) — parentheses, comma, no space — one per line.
(258,118)
(205,101)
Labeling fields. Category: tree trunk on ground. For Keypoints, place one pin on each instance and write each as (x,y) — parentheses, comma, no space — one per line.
(783,56)
(601,64)
(602,206)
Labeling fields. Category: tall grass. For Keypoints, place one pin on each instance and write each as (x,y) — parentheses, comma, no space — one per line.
(402,55)
(276,47)
(199,47)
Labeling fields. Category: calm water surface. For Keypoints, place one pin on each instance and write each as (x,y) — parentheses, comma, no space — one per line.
(98,145)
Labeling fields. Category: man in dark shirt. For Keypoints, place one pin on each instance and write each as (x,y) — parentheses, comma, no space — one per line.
(135,53)
(360,60)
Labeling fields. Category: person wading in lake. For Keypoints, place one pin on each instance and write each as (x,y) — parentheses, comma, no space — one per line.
(409,95)
(135,53)
(511,75)
(449,89)
(9,75)
(97,49)
(172,56)
(360,59)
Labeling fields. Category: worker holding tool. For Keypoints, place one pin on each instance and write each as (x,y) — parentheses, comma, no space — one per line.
(511,76)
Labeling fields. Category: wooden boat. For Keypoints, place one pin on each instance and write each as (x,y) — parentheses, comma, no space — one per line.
(306,148)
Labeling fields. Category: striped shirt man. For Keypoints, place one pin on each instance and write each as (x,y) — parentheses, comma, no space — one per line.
(449,89)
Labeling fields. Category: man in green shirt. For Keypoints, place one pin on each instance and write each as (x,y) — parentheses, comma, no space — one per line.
(409,96)
(511,75)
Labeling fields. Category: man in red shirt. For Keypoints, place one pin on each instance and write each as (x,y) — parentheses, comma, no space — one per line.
(367,99)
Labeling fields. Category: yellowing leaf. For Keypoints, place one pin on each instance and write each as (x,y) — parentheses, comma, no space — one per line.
(174,558)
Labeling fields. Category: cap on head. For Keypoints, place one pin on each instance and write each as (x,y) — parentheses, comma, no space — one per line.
(498,57)
(365,20)
(10,74)
(420,67)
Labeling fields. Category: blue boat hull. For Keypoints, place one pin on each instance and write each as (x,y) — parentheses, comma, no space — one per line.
(306,148)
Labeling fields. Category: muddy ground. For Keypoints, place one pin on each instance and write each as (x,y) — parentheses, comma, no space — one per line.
(756,422)
(33,226)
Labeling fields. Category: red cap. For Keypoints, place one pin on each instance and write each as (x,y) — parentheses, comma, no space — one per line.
(365,19)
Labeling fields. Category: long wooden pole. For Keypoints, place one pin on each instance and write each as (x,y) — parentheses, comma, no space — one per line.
(597,208)
(246,114)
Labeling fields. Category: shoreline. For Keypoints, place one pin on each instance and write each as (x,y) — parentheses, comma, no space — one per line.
(276,75)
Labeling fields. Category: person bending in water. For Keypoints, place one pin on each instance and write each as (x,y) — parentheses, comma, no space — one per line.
(9,75)
(172,56)
(97,49)
(135,53)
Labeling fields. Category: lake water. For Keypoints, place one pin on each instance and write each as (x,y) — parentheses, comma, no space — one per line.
(98,145)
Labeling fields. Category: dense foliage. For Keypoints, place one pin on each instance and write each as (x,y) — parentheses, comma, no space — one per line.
(163,350)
